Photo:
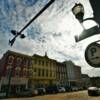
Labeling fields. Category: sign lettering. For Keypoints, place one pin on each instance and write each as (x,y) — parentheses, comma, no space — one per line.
(93,51)
(92,54)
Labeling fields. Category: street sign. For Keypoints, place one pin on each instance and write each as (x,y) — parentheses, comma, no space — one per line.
(92,54)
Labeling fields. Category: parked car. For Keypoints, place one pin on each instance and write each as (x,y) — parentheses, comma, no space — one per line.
(51,89)
(41,91)
(35,92)
(74,88)
(68,88)
(25,93)
(2,94)
(93,91)
(61,89)
(80,88)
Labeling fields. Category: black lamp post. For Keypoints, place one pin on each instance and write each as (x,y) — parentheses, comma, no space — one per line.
(78,11)
(16,34)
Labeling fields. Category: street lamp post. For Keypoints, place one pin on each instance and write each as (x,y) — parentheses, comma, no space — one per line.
(16,34)
(87,33)
(78,11)
(9,82)
(92,51)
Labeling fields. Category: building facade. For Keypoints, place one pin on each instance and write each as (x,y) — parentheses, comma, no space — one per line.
(86,81)
(61,74)
(44,71)
(78,76)
(20,72)
(74,74)
(16,69)
(95,81)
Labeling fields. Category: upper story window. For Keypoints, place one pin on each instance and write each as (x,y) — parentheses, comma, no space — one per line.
(35,71)
(35,61)
(25,62)
(39,72)
(25,72)
(30,72)
(46,63)
(62,69)
(43,63)
(17,71)
(10,59)
(8,71)
(31,63)
(42,72)
(18,62)
(39,62)
(50,74)
(57,68)
(46,73)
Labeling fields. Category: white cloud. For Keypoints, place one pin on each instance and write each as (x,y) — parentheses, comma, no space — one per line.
(53,31)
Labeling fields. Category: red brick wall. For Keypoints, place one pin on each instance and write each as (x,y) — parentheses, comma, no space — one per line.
(22,65)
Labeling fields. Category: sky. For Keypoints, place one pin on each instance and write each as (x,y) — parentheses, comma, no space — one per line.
(52,32)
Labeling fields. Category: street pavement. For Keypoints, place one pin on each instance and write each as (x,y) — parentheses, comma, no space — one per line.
(81,95)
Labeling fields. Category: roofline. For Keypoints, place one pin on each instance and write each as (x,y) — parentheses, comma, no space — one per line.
(17,53)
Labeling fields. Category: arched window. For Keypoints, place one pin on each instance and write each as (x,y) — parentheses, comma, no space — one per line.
(17,71)
(30,72)
(25,62)
(30,63)
(18,62)
(10,59)
(8,71)
(25,72)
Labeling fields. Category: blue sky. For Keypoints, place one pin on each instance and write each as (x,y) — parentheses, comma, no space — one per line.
(53,32)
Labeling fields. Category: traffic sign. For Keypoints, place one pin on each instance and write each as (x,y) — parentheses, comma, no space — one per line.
(92,54)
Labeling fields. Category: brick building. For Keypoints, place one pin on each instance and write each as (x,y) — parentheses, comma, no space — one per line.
(16,69)
(19,72)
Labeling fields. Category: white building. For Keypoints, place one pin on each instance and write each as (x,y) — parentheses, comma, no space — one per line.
(74,74)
